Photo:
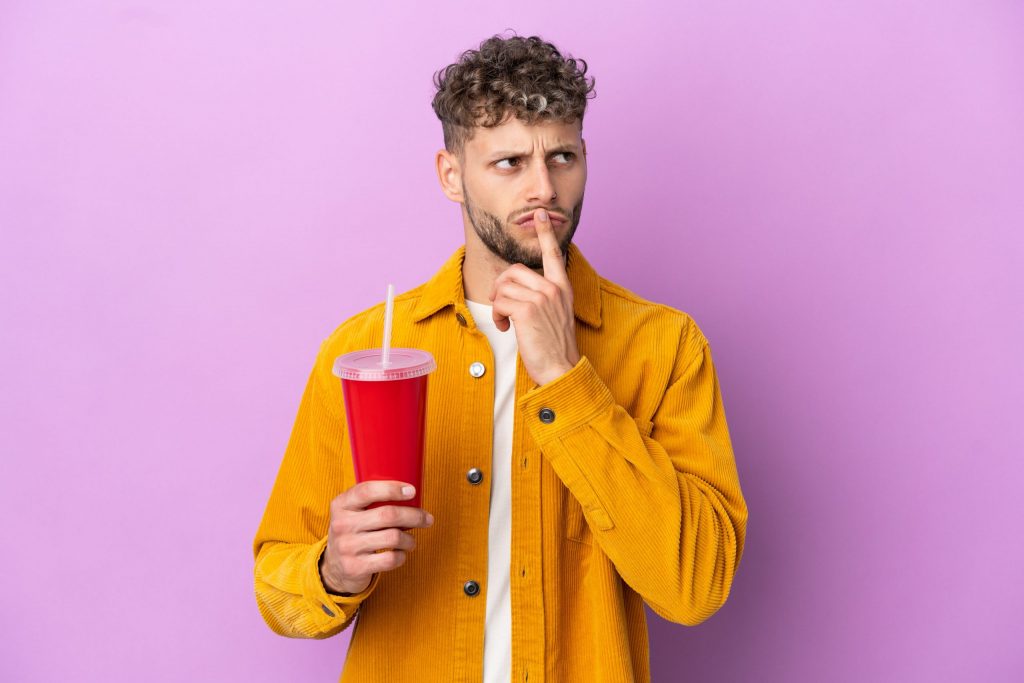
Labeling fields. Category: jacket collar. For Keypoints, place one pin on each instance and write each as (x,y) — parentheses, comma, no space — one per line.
(446,288)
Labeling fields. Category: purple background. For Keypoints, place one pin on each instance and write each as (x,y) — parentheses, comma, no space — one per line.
(193,195)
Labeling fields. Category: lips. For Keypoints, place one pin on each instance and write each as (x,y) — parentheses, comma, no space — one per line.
(528,218)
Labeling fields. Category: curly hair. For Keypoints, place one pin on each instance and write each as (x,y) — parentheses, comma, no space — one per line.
(527,78)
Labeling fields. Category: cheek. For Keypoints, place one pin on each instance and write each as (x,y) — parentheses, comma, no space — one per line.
(582,177)
(493,198)
(575,181)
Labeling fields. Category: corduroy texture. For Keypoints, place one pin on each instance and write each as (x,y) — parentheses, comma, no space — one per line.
(630,494)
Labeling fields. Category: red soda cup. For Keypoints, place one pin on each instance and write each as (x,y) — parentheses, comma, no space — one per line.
(385,409)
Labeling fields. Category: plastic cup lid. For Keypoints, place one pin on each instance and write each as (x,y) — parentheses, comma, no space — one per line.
(366,365)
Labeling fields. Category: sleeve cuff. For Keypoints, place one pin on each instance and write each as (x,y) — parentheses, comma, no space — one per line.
(341,607)
(565,403)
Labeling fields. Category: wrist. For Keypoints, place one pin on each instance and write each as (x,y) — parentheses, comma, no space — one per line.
(341,590)
(324,579)
(554,374)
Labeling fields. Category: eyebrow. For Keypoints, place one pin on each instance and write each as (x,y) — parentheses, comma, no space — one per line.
(567,147)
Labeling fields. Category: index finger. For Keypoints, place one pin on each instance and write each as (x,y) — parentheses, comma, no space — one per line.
(554,264)
(367,492)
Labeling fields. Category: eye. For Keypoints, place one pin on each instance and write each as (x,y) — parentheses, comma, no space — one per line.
(569,156)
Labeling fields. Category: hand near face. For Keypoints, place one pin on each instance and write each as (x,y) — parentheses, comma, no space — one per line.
(541,307)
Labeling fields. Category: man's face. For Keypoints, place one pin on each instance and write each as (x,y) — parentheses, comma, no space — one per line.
(513,169)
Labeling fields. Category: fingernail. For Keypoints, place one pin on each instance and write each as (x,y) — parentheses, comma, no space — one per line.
(430,518)
(542,215)
(408,491)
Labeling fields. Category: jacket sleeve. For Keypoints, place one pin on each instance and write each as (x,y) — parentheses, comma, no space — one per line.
(293,532)
(666,508)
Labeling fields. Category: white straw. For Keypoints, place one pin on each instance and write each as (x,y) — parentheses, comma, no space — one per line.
(386,356)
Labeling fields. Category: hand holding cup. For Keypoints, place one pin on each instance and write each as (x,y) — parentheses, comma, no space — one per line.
(361,541)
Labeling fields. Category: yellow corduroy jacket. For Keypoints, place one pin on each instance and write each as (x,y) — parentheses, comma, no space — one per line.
(629,495)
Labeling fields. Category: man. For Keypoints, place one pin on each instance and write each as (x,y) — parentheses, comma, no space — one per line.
(577,458)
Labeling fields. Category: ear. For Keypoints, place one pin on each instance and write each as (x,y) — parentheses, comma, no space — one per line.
(584,143)
(449,173)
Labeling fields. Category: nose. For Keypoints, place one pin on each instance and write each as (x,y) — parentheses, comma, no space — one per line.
(542,190)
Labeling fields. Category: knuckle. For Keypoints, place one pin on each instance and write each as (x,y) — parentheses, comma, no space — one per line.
(337,505)
(337,527)
(343,547)
(397,558)
(389,515)
(366,490)
(342,524)
(382,560)
(348,499)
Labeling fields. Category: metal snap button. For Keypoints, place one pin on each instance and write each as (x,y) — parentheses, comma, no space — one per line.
(475,476)
(477,369)
(546,415)
(461,318)
(471,588)
(327,611)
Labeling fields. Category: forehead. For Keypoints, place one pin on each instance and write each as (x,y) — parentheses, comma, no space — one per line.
(516,135)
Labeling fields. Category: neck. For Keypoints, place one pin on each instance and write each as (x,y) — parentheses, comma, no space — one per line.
(480,269)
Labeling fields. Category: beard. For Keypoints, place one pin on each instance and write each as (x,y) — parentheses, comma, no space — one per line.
(493,232)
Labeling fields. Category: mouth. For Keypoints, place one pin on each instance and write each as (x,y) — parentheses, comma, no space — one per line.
(527,221)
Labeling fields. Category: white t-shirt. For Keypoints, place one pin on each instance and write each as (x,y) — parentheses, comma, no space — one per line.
(498,621)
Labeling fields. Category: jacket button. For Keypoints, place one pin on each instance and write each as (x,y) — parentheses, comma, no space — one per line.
(461,319)
(471,588)
(546,415)
(477,369)
(475,476)
(326,610)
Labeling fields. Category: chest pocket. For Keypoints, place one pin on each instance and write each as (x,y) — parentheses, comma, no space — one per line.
(576,526)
